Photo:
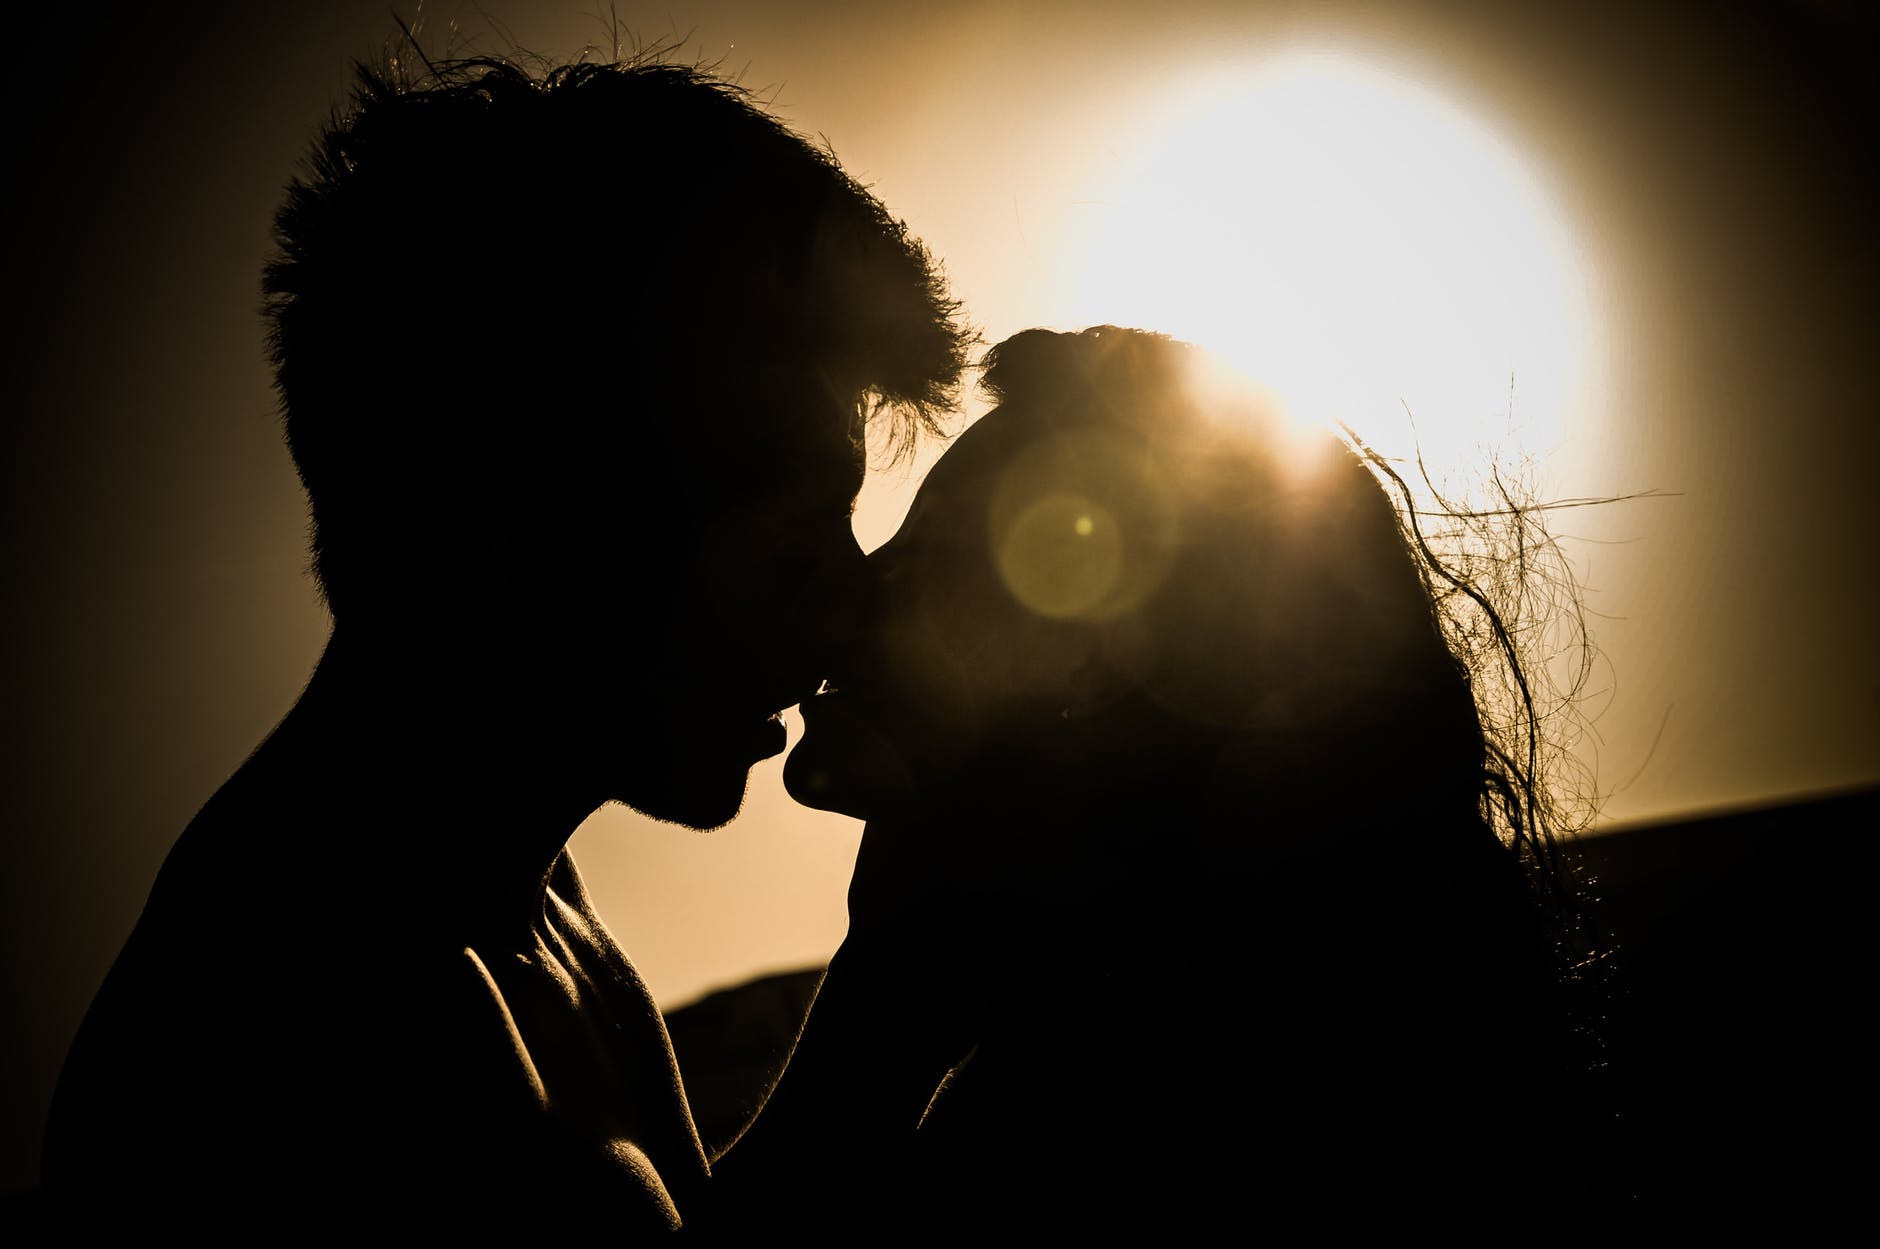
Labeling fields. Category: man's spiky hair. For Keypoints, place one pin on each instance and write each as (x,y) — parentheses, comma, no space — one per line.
(458,237)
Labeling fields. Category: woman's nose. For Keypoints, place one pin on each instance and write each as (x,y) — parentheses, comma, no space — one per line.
(838,604)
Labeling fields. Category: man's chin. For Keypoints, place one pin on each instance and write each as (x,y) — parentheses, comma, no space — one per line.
(693,779)
(701,811)
(694,797)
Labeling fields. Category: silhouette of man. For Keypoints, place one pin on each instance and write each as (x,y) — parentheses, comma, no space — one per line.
(574,370)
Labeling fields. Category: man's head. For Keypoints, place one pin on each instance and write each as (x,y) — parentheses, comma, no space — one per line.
(574,368)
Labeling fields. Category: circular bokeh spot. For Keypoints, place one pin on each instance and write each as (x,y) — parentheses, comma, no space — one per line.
(1082,525)
(1061,556)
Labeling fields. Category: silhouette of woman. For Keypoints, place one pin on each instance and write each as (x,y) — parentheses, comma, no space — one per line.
(1187,851)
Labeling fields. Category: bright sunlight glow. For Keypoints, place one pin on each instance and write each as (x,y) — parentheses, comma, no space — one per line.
(1356,244)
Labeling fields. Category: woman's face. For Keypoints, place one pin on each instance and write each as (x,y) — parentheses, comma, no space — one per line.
(1103,582)
(991,603)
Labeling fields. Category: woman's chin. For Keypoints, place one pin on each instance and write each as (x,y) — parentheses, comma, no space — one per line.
(818,787)
(841,765)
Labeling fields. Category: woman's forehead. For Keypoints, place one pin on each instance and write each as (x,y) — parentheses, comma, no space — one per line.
(977,452)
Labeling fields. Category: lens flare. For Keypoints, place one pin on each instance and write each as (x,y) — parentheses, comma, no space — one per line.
(1062,556)
(1057,530)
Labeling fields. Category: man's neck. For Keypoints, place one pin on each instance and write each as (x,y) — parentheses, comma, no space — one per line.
(398,774)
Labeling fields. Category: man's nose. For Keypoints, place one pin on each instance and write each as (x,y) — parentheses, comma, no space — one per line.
(839,604)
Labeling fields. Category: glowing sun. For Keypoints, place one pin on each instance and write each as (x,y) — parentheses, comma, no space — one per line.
(1354,242)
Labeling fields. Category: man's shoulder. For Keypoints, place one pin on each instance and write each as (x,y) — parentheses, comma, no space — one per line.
(377,1072)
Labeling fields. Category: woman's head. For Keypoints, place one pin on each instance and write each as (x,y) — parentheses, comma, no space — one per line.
(1133,580)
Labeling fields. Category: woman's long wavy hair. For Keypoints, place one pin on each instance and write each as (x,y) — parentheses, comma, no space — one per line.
(1431,652)
(1508,602)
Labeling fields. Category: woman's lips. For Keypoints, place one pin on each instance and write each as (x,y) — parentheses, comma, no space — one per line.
(829,695)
